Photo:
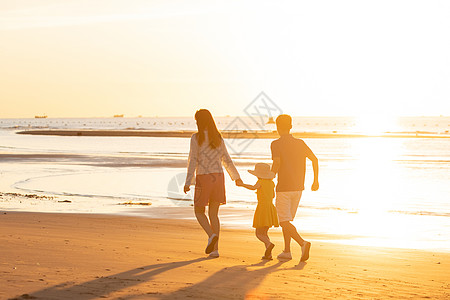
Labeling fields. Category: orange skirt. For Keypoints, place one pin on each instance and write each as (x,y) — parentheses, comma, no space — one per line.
(209,188)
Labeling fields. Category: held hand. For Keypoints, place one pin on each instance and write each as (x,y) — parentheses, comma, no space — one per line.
(239,182)
(186,189)
(315,186)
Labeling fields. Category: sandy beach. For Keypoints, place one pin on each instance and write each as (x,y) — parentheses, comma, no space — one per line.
(83,256)
(118,119)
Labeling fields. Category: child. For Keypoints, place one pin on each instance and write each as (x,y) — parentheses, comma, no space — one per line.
(265,213)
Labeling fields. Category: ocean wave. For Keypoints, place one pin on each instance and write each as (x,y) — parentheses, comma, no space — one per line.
(404,212)
(402,125)
(421,213)
(95,160)
(253,203)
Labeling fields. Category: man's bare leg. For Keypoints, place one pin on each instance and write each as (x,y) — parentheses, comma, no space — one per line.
(289,231)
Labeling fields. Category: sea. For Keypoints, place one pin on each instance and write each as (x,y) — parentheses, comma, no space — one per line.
(375,189)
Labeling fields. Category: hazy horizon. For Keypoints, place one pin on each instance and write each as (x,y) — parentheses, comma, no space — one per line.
(346,58)
(216,116)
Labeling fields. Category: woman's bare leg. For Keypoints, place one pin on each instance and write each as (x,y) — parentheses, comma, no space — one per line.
(213,212)
(203,220)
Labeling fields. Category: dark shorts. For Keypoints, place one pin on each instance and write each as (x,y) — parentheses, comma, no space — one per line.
(209,188)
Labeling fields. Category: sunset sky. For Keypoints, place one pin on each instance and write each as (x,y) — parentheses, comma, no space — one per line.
(87,58)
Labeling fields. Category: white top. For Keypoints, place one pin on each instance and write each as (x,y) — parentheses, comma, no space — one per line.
(206,160)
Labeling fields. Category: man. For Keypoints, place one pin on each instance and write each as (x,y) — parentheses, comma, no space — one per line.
(289,160)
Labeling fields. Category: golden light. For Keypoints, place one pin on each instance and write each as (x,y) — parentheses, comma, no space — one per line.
(375,124)
(375,159)
(374,191)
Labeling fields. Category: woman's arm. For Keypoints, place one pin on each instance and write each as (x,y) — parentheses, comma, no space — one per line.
(228,164)
(192,163)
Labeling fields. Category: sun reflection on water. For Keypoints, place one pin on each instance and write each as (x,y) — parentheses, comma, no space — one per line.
(371,189)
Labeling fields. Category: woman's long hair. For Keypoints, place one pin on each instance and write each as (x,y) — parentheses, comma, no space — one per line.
(206,122)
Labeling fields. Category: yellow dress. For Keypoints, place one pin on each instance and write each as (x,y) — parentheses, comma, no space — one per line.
(265,213)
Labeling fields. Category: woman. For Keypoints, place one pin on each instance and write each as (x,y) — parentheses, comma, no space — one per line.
(206,157)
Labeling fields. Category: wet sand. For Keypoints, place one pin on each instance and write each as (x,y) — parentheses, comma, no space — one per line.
(73,256)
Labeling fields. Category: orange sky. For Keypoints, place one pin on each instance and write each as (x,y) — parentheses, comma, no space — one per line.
(85,58)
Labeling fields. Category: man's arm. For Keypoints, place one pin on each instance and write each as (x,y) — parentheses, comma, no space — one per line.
(275,157)
(315,163)
(276,164)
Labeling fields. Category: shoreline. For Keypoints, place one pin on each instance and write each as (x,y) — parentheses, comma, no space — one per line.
(241,134)
(231,216)
(73,256)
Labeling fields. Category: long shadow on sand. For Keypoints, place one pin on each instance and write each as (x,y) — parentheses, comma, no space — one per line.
(103,286)
(239,281)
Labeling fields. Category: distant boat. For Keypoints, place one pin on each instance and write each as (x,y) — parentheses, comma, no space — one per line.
(118,116)
(40,117)
(271,121)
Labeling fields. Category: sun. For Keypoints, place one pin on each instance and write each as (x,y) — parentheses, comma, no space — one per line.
(375,124)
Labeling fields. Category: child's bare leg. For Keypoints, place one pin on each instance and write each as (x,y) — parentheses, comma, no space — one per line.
(261,234)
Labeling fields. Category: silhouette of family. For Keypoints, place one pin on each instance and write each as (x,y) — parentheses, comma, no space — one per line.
(207,157)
